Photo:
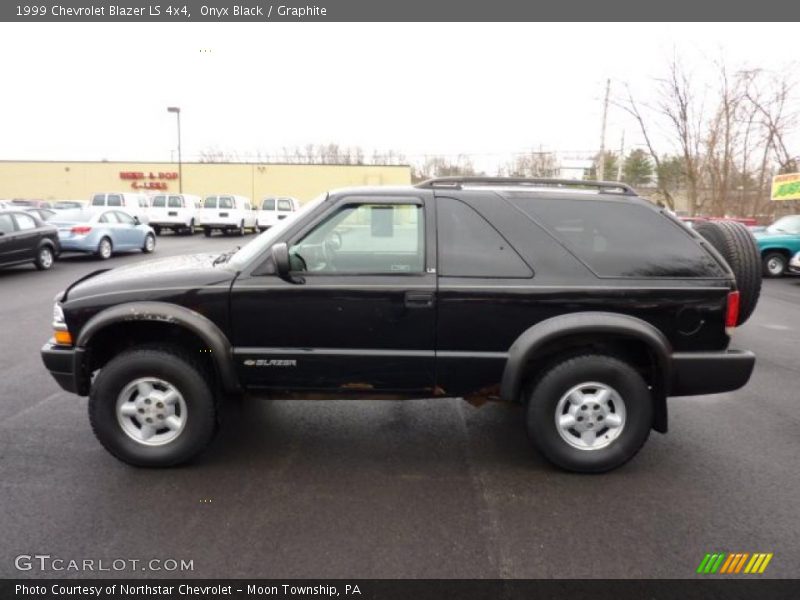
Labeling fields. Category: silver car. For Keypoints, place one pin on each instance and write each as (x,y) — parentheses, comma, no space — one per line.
(102,232)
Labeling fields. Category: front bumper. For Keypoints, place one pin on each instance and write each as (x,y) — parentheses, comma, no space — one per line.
(697,373)
(65,364)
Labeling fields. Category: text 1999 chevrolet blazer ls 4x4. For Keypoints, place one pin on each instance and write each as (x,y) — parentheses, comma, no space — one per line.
(578,299)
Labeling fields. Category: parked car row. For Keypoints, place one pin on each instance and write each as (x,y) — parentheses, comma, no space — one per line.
(226,213)
(29,236)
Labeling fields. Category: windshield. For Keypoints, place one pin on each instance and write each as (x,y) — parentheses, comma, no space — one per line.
(789,224)
(266,239)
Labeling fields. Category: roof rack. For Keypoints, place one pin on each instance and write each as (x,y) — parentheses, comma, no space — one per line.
(457,182)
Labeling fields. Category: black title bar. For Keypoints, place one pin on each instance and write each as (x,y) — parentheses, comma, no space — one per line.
(734,588)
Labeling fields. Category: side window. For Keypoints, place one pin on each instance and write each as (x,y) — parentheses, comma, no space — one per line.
(269,204)
(365,239)
(225,202)
(159,201)
(470,247)
(210,202)
(99,200)
(25,222)
(108,217)
(124,218)
(622,239)
(175,202)
(114,200)
(142,202)
(6,224)
(284,204)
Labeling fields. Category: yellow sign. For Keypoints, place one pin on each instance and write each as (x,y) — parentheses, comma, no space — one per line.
(786,187)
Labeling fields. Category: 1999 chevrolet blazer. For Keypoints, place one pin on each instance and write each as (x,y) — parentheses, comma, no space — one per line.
(580,300)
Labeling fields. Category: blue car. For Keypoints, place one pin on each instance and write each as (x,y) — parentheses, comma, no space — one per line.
(778,244)
(102,232)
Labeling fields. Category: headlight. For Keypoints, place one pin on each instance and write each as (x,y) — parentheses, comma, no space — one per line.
(61,334)
(58,317)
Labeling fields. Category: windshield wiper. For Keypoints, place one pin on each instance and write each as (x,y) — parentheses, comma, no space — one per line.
(225,256)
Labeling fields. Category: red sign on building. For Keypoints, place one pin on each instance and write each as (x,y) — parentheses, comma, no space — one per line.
(148,181)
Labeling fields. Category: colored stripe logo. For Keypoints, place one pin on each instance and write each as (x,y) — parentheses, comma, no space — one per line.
(732,563)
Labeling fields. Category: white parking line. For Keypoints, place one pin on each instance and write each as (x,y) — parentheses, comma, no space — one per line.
(32,407)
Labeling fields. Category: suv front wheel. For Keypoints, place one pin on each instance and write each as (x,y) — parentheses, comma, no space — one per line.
(590,413)
(152,407)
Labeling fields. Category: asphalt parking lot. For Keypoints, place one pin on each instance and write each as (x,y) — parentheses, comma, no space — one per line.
(386,489)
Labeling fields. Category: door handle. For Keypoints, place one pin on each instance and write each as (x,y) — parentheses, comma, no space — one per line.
(419,299)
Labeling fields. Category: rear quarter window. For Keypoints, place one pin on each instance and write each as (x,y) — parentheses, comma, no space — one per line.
(619,239)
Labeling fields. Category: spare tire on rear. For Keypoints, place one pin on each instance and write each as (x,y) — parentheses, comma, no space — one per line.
(738,247)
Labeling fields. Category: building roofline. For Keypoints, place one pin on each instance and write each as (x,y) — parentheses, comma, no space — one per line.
(166,162)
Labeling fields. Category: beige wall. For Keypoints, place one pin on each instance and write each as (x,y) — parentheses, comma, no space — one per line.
(78,180)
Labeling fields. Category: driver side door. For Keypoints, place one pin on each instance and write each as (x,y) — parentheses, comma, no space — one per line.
(363,318)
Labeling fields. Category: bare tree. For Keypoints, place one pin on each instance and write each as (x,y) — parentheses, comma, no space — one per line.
(532,164)
(630,106)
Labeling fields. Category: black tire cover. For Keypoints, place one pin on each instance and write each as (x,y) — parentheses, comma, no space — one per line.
(738,247)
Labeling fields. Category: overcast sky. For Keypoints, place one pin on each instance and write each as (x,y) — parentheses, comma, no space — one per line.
(100,91)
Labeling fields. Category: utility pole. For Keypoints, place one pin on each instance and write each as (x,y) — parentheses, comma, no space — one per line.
(601,167)
(177,111)
(621,156)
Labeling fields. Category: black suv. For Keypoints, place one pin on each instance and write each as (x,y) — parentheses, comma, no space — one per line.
(580,300)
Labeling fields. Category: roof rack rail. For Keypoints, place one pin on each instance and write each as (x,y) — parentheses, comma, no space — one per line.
(456,182)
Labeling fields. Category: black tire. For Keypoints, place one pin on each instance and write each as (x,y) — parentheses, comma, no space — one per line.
(739,249)
(104,249)
(157,229)
(168,364)
(206,232)
(774,264)
(44,258)
(553,386)
(148,248)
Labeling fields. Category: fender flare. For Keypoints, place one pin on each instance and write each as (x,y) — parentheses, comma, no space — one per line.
(549,330)
(172,314)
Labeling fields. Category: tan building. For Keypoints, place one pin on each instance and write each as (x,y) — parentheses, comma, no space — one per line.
(79,180)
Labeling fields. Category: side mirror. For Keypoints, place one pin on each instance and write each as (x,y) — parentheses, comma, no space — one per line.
(280,254)
(136,220)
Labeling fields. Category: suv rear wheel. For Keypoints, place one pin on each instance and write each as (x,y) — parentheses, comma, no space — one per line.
(152,407)
(590,413)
